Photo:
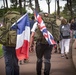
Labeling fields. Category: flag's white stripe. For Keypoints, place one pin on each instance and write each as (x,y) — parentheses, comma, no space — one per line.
(38,16)
(50,34)
(42,23)
(49,37)
(22,37)
(43,28)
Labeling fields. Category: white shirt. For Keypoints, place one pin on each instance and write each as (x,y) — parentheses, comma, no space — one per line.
(34,27)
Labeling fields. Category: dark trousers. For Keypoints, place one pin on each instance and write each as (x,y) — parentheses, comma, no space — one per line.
(11,61)
(43,50)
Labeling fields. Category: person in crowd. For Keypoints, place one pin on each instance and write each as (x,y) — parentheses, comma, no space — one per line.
(42,49)
(58,45)
(9,51)
(73,27)
(65,37)
(32,21)
(60,41)
(73,30)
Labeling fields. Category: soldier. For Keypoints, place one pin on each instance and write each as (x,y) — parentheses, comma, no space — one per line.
(11,61)
(58,45)
(42,46)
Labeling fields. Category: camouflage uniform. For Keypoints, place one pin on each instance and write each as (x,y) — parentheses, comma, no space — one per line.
(51,26)
(42,46)
(11,61)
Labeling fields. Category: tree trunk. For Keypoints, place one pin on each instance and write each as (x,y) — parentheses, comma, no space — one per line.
(71,9)
(48,3)
(37,8)
(24,4)
(58,8)
(69,4)
(30,1)
(16,3)
(6,4)
(20,5)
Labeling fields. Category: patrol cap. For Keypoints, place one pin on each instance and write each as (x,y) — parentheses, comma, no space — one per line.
(41,13)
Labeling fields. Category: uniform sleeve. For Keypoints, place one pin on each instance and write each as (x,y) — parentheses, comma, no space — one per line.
(34,27)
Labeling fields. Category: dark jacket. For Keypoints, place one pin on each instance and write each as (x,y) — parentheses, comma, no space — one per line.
(73,26)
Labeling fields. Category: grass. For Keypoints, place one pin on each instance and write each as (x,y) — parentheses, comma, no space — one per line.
(1,51)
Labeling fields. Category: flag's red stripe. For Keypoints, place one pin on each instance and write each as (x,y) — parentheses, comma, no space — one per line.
(53,42)
(45,35)
(41,27)
(23,52)
(39,19)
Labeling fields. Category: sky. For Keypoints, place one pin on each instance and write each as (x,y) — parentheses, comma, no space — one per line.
(43,5)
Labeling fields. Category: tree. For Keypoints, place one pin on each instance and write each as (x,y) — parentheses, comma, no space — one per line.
(24,4)
(37,8)
(14,2)
(58,8)
(70,8)
(30,4)
(20,5)
(48,3)
(69,4)
(6,3)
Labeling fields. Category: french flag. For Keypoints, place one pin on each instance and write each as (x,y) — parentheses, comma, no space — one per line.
(23,37)
(48,36)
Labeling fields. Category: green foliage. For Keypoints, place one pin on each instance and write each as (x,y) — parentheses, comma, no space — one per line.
(67,13)
(12,1)
(3,11)
(1,51)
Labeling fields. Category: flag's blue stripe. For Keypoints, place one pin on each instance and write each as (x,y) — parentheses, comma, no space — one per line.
(22,23)
(49,42)
(51,37)
(44,31)
(36,13)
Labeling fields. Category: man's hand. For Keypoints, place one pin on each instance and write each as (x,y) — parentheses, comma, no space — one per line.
(31,49)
